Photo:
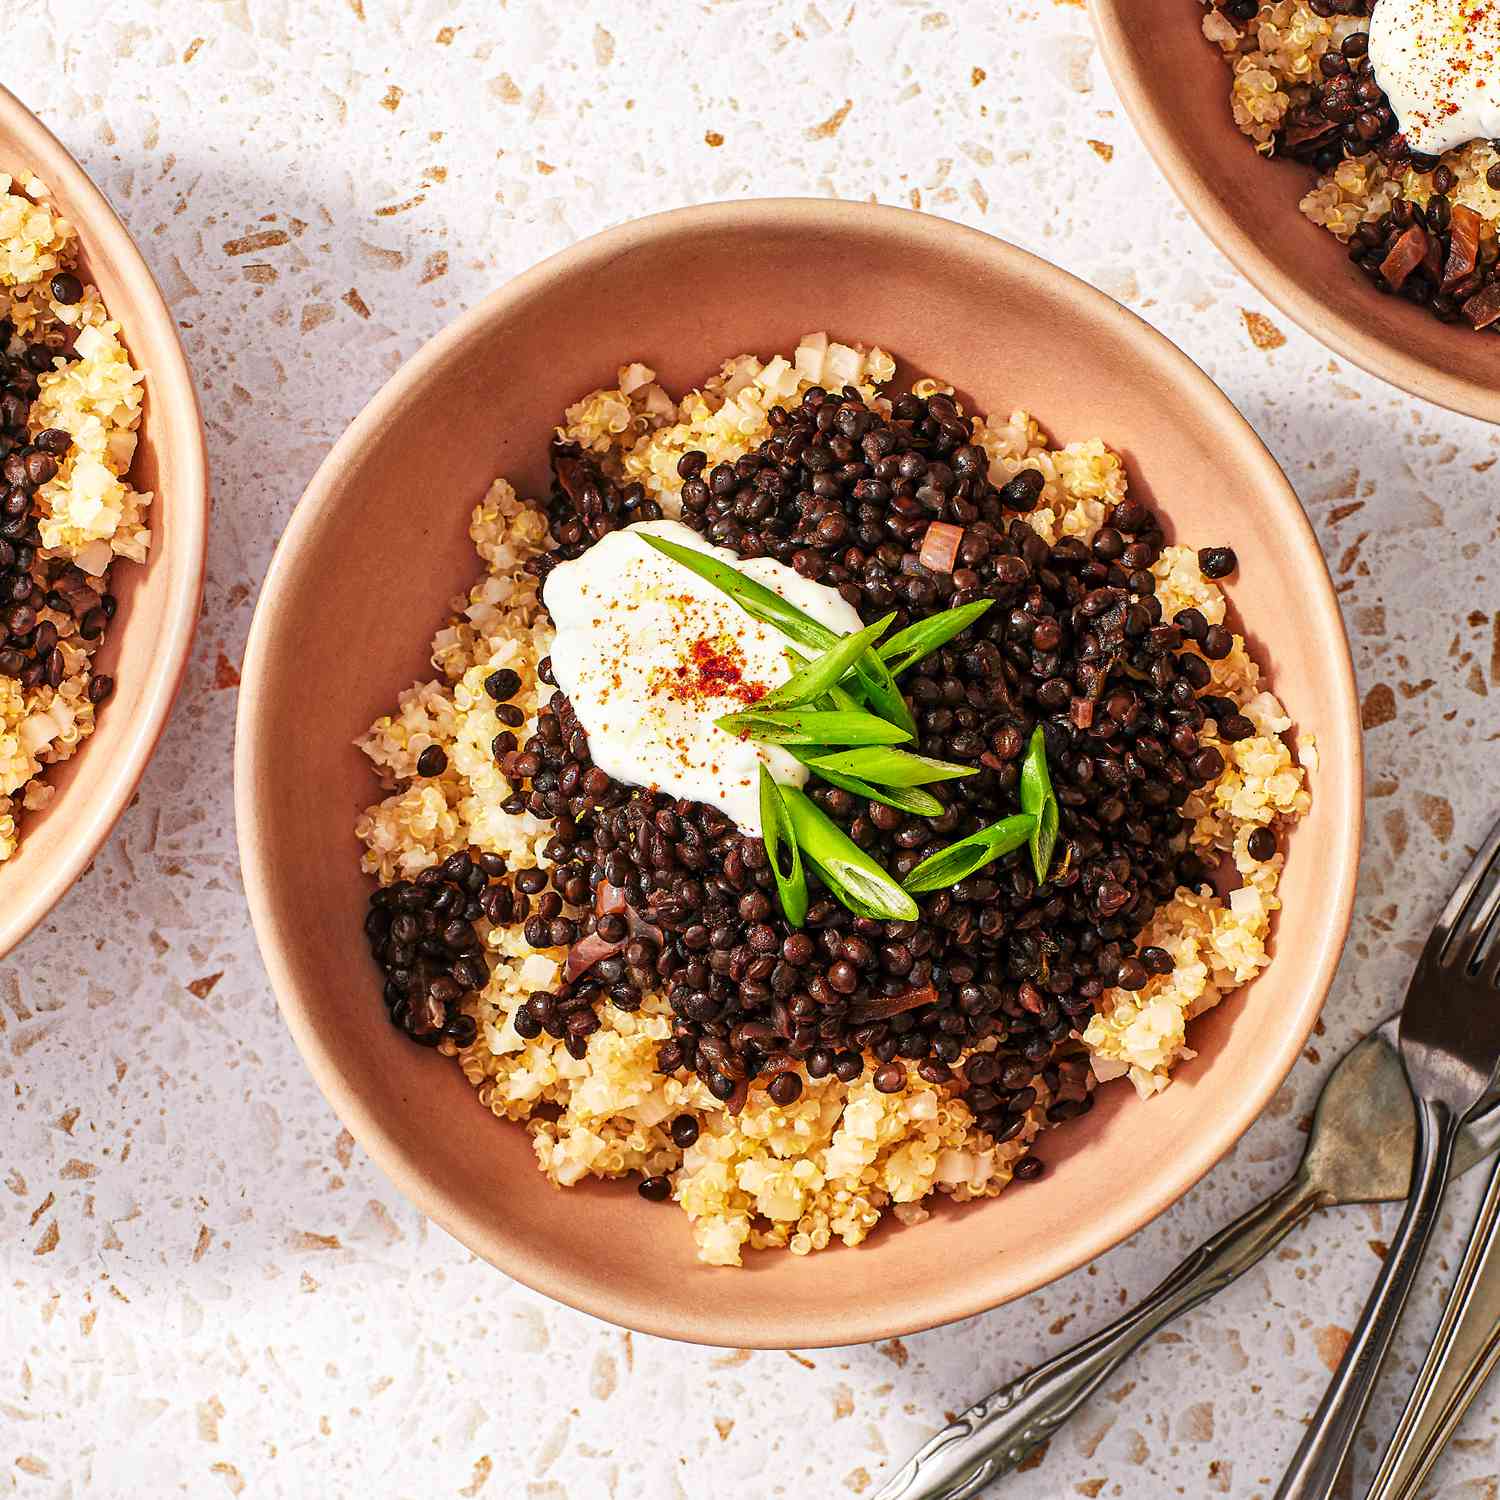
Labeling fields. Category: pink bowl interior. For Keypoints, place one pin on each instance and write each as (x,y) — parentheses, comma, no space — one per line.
(378,546)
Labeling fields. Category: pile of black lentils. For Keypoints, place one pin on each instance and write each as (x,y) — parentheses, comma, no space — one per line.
(28,643)
(653,894)
(1427,254)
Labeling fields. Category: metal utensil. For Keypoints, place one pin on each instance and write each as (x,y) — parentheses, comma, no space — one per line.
(1359,1151)
(1450,1047)
(1464,1353)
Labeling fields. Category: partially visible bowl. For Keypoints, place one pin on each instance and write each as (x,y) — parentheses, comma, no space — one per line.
(147,646)
(1176,88)
(378,546)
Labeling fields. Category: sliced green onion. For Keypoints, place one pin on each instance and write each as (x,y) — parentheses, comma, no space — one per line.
(922,637)
(959,861)
(767,606)
(811,726)
(908,799)
(889,767)
(822,674)
(1038,799)
(853,877)
(781,849)
(882,694)
(837,696)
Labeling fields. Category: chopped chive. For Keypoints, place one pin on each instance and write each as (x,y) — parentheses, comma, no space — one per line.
(1038,799)
(889,767)
(922,637)
(811,726)
(781,849)
(852,875)
(959,861)
(823,673)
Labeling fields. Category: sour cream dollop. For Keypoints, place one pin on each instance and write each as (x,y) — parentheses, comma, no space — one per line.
(1439,64)
(649,655)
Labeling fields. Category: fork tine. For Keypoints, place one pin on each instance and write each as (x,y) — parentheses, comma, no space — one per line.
(1440,945)
(1490,974)
(1484,923)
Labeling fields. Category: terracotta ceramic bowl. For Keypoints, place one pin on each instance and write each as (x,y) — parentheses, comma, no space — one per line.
(1176,88)
(147,646)
(378,546)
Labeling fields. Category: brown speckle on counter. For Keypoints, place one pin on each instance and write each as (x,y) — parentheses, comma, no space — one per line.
(1264,334)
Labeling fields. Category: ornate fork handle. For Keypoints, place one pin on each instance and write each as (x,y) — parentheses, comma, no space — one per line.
(994,1435)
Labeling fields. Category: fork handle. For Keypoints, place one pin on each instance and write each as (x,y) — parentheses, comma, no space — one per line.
(1315,1468)
(993,1436)
(1465,1350)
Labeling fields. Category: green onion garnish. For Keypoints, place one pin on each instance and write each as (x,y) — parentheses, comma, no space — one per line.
(811,726)
(910,799)
(1038,799)
(959,861)
(781,848)
(837,696)
(922,637)
(822,674)
(853,877)
(889,767)
(767,606)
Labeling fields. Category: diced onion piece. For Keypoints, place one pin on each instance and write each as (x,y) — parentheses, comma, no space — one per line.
(38,730)
(883,1007)
(1483,308)
(586,952)
(1463,247)
(940,547)
(94,557)
(633,377)
(1405,256)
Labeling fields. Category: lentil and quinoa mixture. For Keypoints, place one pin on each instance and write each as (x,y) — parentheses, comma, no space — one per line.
(611,968)
(1420,227)
(70,401)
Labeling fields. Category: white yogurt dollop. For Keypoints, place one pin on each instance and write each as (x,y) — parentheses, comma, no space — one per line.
(649,655)
(1439,64)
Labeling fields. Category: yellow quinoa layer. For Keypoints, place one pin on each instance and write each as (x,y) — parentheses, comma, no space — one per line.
(827,1167)
(88,513)
(1273,61)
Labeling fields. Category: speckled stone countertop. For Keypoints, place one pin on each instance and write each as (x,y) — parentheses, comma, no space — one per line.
(208,1288)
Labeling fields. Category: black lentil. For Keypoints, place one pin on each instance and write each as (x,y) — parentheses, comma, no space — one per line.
(503,685)
(1217,562)
(1261,844)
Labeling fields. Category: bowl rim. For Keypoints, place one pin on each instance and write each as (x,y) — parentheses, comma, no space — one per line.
(98,223)
(497,1243)
(1342,333)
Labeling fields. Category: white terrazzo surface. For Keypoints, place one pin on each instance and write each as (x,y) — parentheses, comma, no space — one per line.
(208,1289)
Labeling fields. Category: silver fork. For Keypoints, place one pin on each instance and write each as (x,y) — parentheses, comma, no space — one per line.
(1450,1046)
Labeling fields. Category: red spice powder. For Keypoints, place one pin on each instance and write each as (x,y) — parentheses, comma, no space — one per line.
(712,669)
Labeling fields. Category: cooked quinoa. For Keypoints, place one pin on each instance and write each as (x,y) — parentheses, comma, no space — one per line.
(826,1166)
(67,440)
(1370,189)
